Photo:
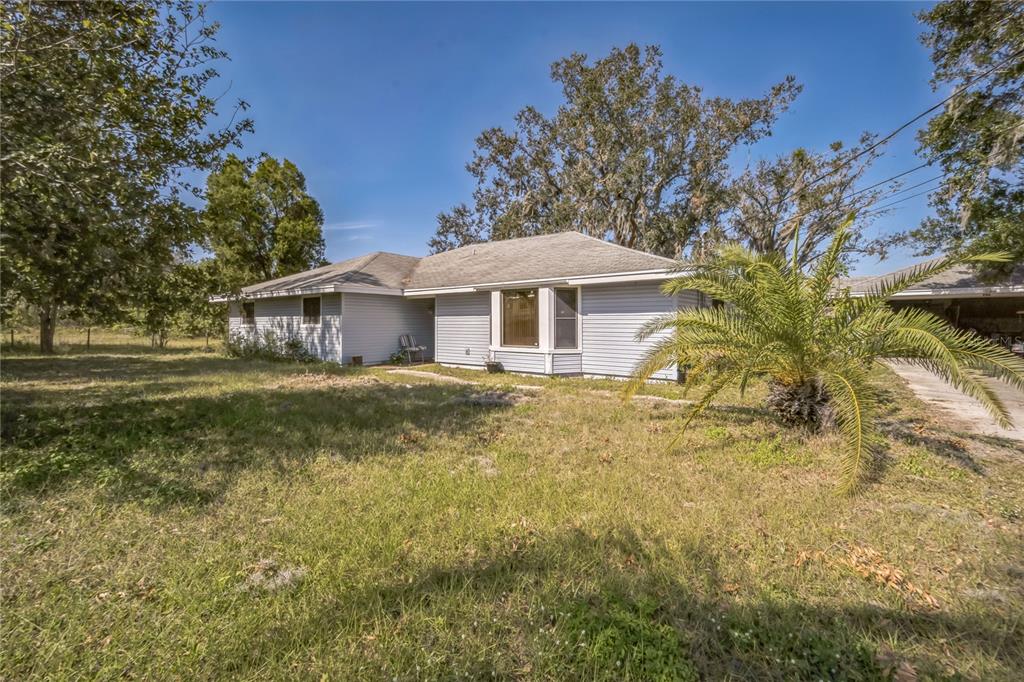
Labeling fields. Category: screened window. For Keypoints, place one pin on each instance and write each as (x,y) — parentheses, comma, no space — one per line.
(565,318)
(519,322)
(311,310)
(249,313)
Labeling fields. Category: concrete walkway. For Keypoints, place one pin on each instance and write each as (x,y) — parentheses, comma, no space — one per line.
(960,408)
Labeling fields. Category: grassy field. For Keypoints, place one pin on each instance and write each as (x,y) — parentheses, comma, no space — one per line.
(181,515)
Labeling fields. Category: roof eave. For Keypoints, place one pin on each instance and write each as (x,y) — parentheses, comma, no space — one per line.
(307,291)
(576,280)
(965,292)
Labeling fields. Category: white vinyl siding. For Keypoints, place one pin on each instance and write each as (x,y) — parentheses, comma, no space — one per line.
(518,361)
(283,318)
(463,328)
(566,363)
(371,325)
(612,316)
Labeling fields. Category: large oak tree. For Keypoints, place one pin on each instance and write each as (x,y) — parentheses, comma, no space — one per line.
(978,138)
(632,155)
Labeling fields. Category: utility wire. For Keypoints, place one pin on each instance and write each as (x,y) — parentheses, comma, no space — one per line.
(782,221)
(956,93)
(898,201)
(890,179)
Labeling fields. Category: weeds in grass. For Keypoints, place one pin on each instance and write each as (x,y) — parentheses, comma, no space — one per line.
(142,491)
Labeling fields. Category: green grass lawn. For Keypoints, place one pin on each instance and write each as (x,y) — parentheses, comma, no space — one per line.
(181,515)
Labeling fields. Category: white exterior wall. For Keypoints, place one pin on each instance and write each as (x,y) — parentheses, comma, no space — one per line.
(567,363)
(462,324)
(283,317)
(372,323)
(612,316)
(521,361)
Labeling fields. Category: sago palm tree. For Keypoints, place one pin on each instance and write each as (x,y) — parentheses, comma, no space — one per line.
(815,344)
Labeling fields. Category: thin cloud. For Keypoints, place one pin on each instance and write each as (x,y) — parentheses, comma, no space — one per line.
(358,237)
(348,227)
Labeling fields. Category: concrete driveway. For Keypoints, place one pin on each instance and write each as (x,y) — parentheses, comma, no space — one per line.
(958,407)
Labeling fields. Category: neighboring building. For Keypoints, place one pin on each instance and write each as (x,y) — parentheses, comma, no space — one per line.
(994,310)
(562,303)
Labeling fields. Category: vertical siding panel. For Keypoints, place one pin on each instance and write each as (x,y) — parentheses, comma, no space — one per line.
(372,323)
(463,323)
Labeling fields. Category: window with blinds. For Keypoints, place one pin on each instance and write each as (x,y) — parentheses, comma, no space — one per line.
(519,320)
(565,318)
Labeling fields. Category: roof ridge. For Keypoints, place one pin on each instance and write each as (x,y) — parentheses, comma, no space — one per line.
(627,248)
(367,259)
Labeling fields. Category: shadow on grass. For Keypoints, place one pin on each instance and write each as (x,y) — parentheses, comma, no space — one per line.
(585,605)
(149,442)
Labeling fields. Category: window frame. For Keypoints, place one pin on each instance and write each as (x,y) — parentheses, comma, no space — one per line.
(501,312)
(302,311)
(554,319)
(244,318)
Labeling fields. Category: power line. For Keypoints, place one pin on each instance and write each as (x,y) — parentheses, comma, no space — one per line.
(890,179)
(782,221)
(907,189)
(898,201)
(917,118)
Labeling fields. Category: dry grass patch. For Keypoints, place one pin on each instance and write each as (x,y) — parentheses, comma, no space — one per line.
(413,532)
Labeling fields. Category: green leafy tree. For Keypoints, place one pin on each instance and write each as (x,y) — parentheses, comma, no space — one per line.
(632,155)
(104,107)
(775,199)
(814,346)
(978,138)
(261,222)
(197,316)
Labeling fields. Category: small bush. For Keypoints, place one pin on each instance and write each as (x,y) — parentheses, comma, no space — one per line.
(267,346)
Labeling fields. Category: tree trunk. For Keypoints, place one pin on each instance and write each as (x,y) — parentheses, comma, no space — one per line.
(12,337)
(88,337)
(806,404)
(47,327)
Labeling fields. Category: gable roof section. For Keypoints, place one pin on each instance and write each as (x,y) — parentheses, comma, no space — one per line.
(528,259)
(958,281)
(549,256)
(378,270)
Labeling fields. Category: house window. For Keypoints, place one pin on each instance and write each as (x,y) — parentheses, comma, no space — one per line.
(565,318)
(249,313)
(311,310)
(519,321)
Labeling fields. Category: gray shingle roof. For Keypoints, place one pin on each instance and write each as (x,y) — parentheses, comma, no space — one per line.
(550,256)
(961,277)
(377,269)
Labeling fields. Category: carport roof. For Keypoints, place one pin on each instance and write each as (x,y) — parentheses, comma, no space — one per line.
(961,281)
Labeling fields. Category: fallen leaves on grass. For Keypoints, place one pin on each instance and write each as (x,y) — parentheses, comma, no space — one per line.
(870,564)
(268,575)
(894,668)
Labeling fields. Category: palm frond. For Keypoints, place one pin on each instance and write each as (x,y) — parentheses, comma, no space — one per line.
(853,401)
(701,405)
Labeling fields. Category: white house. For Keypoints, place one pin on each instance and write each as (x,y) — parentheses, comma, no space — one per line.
(562,303)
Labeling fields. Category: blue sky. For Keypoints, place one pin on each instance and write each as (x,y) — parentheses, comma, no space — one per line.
(379,104)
